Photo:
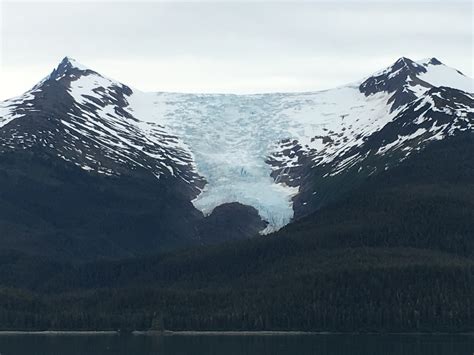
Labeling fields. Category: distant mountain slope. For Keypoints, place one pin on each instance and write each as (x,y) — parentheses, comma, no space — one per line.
(93,168)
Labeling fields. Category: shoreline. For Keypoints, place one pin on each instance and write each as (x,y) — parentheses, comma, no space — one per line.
(211,333)
(59,332)
(226,332)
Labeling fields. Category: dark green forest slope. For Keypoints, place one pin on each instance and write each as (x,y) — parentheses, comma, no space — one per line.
(395,255)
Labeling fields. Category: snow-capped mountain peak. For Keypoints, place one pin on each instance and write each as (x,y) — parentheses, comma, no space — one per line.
(262,150)
(407,79)
(73,63)
(84,118)
(69,68)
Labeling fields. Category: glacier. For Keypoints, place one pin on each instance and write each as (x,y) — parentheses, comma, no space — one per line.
(233,140)
(230,137)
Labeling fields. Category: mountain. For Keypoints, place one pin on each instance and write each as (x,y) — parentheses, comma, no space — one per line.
(397,113)
(92,168)
(365,193)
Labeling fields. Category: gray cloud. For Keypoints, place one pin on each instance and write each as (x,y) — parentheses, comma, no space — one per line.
(229,46)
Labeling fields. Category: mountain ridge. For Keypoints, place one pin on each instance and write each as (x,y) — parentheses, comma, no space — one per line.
(283,154)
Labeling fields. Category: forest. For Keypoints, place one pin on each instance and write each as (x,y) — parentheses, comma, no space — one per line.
(395,255)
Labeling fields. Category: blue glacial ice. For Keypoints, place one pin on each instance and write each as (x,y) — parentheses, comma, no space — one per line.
(231,136)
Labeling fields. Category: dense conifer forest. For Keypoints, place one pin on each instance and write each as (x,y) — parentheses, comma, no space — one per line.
(397,255)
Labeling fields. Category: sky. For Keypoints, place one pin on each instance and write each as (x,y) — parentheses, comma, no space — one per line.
(229,47)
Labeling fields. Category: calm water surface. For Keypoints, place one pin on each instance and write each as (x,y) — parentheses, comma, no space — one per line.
(237,345)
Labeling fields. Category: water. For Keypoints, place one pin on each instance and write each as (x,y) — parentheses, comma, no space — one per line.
(237,345)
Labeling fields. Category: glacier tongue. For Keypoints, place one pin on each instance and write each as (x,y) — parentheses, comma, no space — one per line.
(231,137)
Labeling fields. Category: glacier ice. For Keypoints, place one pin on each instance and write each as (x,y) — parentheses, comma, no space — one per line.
(232,136)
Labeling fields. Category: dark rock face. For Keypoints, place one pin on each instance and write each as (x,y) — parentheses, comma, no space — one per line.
(393,78)
(231,221)
(434,61)
(397,79)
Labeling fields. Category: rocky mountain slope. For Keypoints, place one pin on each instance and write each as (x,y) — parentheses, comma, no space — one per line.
(92,166)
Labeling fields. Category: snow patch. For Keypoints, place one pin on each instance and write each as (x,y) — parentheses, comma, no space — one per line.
(442,75)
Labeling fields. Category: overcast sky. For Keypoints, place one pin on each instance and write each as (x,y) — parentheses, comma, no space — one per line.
(229,46)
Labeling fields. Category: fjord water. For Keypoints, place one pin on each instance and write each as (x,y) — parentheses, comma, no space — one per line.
(336,344)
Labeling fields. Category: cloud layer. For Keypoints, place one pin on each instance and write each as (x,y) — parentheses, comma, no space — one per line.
(229,46)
